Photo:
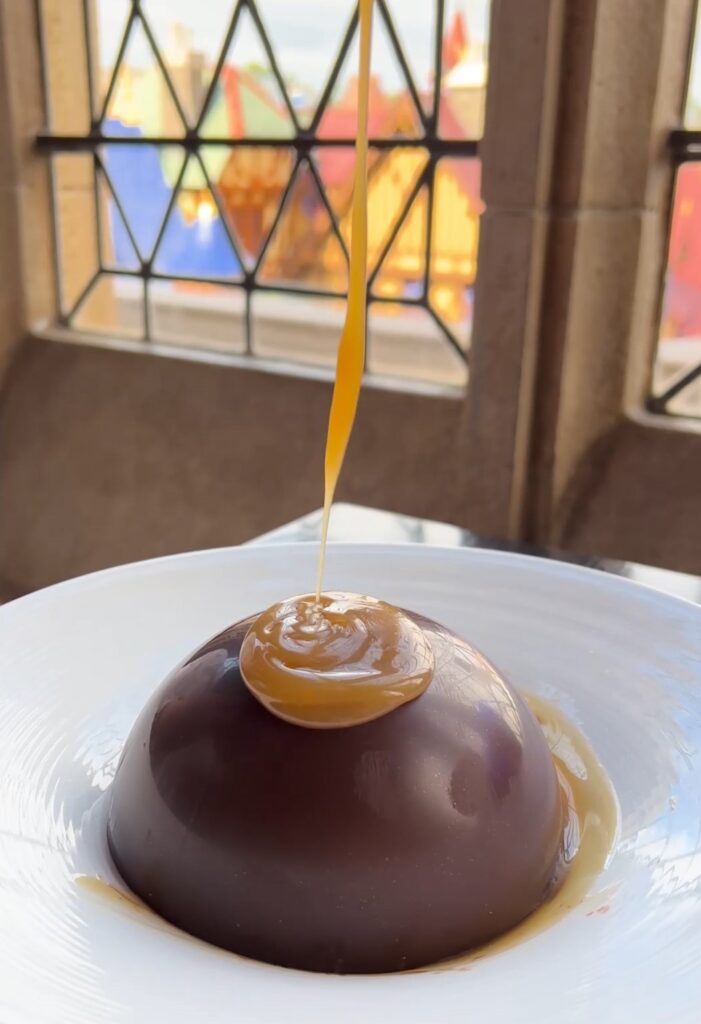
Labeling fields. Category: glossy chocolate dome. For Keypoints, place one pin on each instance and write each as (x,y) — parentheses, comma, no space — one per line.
(373,848)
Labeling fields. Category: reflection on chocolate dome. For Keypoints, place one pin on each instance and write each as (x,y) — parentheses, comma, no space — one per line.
(378,847)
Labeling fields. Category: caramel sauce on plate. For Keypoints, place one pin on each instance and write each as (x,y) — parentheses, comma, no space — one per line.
(590,832)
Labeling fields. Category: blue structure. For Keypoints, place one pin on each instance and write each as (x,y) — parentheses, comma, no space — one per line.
(200,249)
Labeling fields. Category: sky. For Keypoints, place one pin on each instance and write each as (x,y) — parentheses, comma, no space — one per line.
(305,33)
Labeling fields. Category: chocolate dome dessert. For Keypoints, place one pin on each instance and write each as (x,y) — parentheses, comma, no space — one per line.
(376,847)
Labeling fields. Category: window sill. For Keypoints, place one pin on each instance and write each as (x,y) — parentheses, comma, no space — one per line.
(296,335)
(240,361)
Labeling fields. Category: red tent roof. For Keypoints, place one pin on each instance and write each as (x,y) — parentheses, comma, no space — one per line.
(340,119)
(239,88)
(340,122)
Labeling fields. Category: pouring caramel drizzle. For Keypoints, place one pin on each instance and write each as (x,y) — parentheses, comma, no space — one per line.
(350,360)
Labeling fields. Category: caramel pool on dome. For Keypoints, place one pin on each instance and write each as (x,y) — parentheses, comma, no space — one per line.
(339,661)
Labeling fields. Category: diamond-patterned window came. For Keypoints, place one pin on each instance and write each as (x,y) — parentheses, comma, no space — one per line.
(202,170)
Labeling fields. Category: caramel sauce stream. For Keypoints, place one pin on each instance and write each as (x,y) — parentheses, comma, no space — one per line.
(350,361)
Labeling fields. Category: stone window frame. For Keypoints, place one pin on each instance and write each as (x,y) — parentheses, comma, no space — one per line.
(563,448)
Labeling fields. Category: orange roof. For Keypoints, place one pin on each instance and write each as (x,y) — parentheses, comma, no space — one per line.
(455,41)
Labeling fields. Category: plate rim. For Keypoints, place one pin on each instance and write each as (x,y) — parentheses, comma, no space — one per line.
(555,567)
(222,563)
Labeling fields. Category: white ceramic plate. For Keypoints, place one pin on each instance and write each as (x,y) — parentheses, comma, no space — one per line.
(77,662)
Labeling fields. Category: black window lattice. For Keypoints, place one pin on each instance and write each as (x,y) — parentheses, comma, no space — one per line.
(303,142)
